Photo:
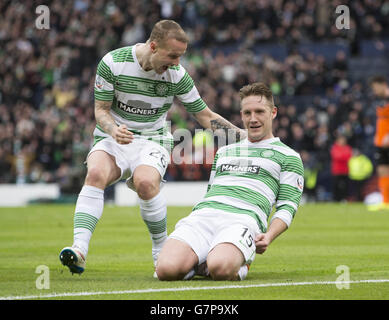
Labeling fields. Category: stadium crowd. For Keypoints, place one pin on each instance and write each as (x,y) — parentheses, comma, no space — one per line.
(47,76)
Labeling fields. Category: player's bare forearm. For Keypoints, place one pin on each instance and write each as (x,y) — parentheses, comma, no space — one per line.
(103,117)
(222,124)
(263,240)
(215,122)
(276,227)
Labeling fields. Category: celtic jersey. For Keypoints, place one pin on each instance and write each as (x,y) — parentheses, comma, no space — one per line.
(141,99)
(251,178)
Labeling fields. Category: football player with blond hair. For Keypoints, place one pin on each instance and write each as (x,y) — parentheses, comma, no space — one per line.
(226,229)
(134,89)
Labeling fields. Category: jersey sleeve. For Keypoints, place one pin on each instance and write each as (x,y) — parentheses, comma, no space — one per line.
(188,94)
(291,189)
(104,83)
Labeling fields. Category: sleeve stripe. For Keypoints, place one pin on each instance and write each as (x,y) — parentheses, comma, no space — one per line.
(104,96)
(288,208)
(104,71)
(184,85)
(293,164)
(195,106)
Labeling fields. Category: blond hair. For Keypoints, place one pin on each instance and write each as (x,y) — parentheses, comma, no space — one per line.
(167,29)
(257,89)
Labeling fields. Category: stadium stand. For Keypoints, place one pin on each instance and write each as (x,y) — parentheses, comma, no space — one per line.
(317,73)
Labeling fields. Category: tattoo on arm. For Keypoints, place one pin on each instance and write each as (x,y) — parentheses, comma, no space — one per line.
(221,124)
(103,117)
(227,127)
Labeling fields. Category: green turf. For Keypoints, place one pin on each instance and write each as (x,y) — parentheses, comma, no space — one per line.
(322,237)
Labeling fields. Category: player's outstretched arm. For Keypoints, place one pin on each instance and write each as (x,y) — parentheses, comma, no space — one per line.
(107,123)
(263,240)
(211,120)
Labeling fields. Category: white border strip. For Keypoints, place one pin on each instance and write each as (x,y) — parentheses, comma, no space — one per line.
(263,285)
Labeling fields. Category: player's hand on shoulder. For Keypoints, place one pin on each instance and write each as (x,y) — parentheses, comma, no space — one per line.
(122,135)
(242,134)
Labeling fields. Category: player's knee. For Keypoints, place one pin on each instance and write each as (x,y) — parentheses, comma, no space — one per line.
(222,270)
(168,271)
(95,177)
(146,188)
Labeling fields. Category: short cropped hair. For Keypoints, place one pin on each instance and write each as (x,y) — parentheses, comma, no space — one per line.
(167,29)
(257,89)
(378,79)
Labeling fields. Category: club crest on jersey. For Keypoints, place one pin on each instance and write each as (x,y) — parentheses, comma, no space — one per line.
(267,153)
(161,89)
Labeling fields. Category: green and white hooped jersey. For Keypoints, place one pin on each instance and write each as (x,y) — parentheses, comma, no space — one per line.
(141,99)
(250,178)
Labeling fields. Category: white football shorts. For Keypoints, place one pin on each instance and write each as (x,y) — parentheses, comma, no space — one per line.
(203,229)
(129,156)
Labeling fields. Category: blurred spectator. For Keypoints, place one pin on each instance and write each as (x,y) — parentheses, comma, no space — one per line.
(341,153)
(47,76)
(360,170)
(311,169)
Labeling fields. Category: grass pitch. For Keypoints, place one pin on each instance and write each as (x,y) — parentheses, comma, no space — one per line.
(300,264)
